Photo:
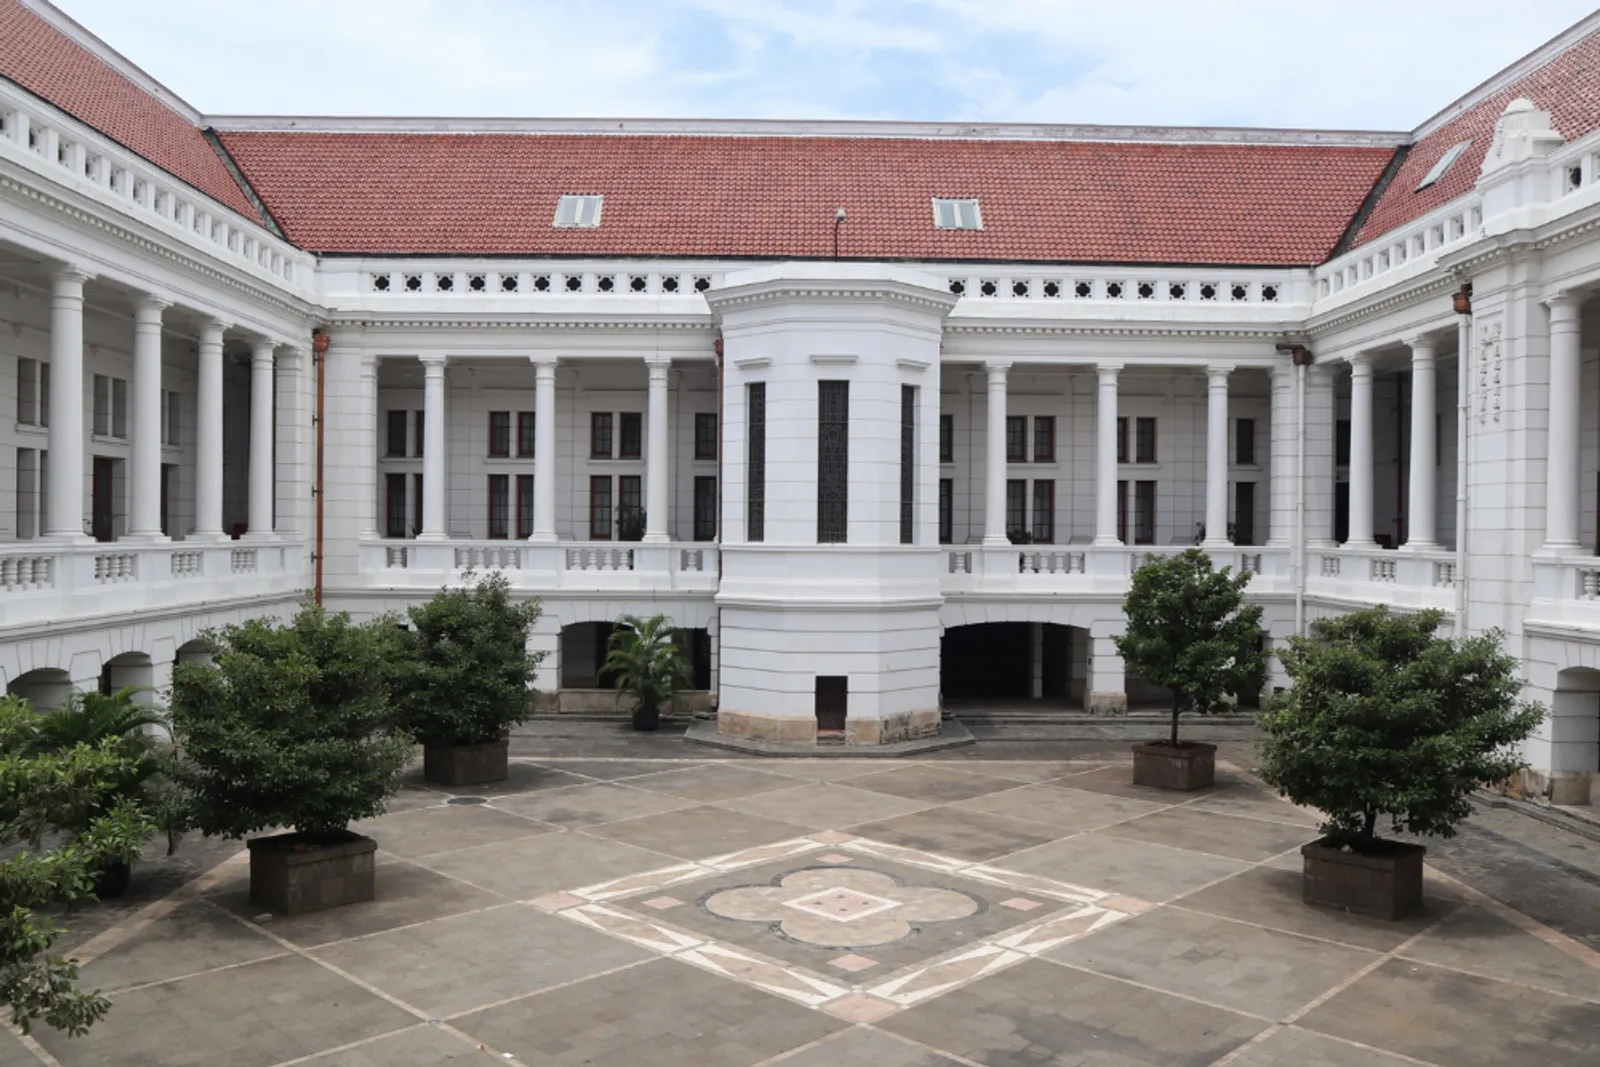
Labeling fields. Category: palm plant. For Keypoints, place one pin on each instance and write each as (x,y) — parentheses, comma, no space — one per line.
(644,661)
(90,717)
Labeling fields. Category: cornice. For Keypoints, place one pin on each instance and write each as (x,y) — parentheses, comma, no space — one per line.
(348,319)
(786,291)
(1420,287)
(1123,329)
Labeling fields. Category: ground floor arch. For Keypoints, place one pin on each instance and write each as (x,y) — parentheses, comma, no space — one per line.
(43,687)
(1010,661)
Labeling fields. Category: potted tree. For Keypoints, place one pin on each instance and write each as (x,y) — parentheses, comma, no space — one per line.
(464,679)
(644,661)
(291,725)
(1189,630)
(1384,719)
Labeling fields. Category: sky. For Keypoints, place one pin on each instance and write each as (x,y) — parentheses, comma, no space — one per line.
(1333,64)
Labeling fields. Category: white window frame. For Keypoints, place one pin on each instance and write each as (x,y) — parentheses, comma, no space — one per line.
(579,211)
(1446,161)
(957,213)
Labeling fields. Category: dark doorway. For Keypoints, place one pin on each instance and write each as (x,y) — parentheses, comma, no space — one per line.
(1244,513)
(987,661)
(103,513)
(833,702)
(169,471)
(1057,667)
(1341,513)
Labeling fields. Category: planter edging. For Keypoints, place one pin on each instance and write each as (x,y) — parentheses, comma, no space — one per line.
(1381,886)
(330,874)
(476,764)
(1190,766)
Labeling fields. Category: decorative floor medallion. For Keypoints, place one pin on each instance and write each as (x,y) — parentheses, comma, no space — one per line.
(911,924)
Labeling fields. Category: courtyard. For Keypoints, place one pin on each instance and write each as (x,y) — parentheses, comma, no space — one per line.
(631,902)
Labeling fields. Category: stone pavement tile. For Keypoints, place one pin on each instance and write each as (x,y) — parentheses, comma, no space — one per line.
(611,770)
(453,965)
(822,770)
(1039,1014)
(695,833)
(439,829)
(1272,897)
(1256,802)
(194,937)
(931,782)
(1219,835)
(12,1051)
(250,1016)
(1066,809)
(414,796)
(420,1046)
(1461,1020)
(970,835)
(1476,940)
(661,1014)
(590,805)
(864,1048)
(521,778)
(1293,1047)
(532,866)
(406,894)
(1118,781)
(1262,972)
(712,782)
(1032,770)
(1117,865)
(824,806)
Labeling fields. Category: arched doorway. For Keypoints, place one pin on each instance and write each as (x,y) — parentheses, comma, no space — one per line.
(45,688)
(1006,662)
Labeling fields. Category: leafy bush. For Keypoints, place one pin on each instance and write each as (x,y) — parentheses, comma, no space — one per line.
(1190,630)
(631,524)
(1386,719)
(644,661)
(466,672)
(42,789)
(290,725)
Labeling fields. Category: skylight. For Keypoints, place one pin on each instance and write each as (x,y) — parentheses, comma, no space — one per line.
(957,214)
(1446,161)
(578,212)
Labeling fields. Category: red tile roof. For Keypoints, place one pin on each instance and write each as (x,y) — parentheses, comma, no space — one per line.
(49,64)
(496,193)
(1568,86)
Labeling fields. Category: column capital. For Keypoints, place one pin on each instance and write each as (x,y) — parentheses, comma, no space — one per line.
(212,329)
(433,362)
(148,307)
(1283,373)
(1217,373)
(69,274)
(1564,301)
(997,370)
(657,361)
(544,359)
(1360,362)
(1422,346)
(1108,371)
(262,349)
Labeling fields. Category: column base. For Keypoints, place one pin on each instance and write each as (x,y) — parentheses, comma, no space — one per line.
(1222,543)
(1107,542)
(1560,548)
(655,539)
(207,537)
(431,538)
(71,537)
(1106,703)
(1419,546)
(544,537)
(1353,543)
(144,537)
(267,537)
(992,541)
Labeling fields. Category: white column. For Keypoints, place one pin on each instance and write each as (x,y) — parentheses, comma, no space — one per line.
(365,459)
(293,496)
(65,518)
(994,512)
(433,448)
(1319,444)
(656,461)
(1283,468)
(1105,511)
(1217,455)
(263,432)
(544,449)
(146,487)
(1360,452)
(1562,488)
(208,434)
(1422,527)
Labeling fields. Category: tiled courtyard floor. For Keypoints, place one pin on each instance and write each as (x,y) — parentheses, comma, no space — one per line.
(633,912)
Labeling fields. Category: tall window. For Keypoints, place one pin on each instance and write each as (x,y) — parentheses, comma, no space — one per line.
(833,462)
(525,433)
(947,438)
(756,461)
(1044,438)
(1144,440)
(417,434)
(600,507)
(1122,439)
(600,435)
(394,509)
(1016,507)
(102,405)
(1016,439)
(395,440)
(28,391)
(705,435)
(500,433)
(632,435)
(1044,511)
(630,498)
(1122,512)
(1244,441)
(27,502)
(1244,513)
(705,508)
(947,518)
(1341,443)
(499,505)
(1144,513)
(416,504)
(524,506)
(908,463)
(119,407)
(169,418)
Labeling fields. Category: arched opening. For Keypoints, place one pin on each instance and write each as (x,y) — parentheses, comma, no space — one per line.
(1575,737)
(45,688)
(130,668)
(585,685)
(196,651)
(1007,662)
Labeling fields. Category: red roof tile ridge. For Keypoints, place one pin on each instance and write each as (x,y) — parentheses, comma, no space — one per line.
(114,59)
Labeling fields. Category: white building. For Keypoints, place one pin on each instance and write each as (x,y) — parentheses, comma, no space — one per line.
(836,367)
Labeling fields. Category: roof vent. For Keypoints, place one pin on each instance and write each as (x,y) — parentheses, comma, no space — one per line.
(957,214)
(578,212)
(1446,161)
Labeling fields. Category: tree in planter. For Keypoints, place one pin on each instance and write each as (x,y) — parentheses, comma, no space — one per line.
(465,676)
(631,524)
(1386,719)
(1190,631)
(40,789)
(644,661)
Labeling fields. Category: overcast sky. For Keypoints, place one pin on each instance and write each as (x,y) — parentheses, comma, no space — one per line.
(1347,64)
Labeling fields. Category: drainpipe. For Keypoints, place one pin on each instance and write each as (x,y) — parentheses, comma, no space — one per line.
(1462,302)
(319,355)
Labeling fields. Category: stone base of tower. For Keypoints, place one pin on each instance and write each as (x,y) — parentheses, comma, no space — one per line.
(948,734)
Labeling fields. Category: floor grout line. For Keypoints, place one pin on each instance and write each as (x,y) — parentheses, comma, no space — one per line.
(1526,923)
(550,988)
(875,1028)
(119,991)
(349,1045)
(28,1042)
(1155,989)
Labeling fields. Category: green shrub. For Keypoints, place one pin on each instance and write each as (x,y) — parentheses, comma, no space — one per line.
(466,674)
(1386,719)
(289,725)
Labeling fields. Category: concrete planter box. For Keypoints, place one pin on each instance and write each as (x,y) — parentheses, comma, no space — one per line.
(295,873)
(1385,884)
(465,764)
(1191,765)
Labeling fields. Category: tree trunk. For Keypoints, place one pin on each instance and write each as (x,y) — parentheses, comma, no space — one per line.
(1369,825)
(1177,709)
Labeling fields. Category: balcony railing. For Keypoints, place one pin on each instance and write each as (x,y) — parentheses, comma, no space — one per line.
(545,567)
(1381,576)
(1566,592)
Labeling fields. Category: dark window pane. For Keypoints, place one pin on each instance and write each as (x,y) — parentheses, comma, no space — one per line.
(1122,440)
(756,462)
(524,506)
(417,437)
(705,508)
(1044,439)
(908,463)
(416,504)
(525,427)
(1144,447)
(1044,512)
(395,445)
(1244,513)
(499,504)
(394,510)
(499,433)
(600,507)
(1122,512)
(833,462)
(1341,443)
(632,435)
(1016,439)
(630,501)
(947,519)
(1144,513)
(1244,441)
(947,438)
(705,435)
(1016,508)
(600,435)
